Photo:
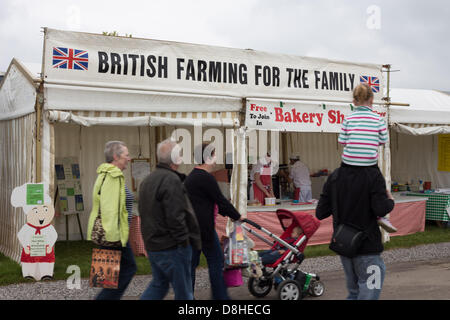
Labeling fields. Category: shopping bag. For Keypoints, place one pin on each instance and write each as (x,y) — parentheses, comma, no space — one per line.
(105,268)
(235,248)
(135,239)
(233,278)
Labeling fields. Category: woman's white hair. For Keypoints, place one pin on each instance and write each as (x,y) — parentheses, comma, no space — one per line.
(113,148)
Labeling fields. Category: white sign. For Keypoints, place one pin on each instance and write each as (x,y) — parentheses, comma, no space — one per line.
(38,246)
(96,60)
(299,117)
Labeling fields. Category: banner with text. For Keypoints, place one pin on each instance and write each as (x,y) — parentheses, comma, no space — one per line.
(95,60)
(299,116)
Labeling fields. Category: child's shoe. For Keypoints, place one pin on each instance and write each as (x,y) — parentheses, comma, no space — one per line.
(386,225)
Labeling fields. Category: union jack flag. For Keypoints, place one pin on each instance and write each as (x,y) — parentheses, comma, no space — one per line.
(372,82)
(66,58)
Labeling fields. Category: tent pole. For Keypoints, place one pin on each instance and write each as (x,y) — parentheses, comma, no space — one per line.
(39,123)
(387,146)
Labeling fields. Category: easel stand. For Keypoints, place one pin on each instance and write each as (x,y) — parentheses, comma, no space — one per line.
(67,214)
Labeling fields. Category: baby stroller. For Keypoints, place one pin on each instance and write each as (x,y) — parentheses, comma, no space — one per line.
(285,275)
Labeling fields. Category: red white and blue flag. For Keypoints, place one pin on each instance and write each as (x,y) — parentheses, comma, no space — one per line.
(372,82)
(66,58)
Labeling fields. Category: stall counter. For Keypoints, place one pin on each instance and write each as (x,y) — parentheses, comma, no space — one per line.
(408,216)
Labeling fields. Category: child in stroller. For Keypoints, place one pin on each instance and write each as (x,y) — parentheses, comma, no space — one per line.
(271,256)
(281,269)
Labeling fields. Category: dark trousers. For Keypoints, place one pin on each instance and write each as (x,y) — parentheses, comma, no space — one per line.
(214,258)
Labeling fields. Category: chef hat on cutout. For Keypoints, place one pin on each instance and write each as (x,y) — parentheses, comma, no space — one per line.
(30,197)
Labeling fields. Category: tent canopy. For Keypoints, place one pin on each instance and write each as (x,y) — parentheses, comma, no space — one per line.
(17,91)
(428,111)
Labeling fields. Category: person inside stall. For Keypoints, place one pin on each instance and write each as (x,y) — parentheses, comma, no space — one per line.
(300,176)
(261,177)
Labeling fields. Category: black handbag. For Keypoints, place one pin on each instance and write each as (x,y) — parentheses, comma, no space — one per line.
(347,239)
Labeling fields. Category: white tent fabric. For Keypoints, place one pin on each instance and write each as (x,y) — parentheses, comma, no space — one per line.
(414,145)
(17,146)
(415,158)
(422,130)
(61,96)
(205,119)
(17,92)
(427,108)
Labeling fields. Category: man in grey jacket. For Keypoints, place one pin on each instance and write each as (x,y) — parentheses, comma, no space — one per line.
(169,227)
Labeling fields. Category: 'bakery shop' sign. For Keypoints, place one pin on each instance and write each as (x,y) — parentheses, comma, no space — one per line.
(299,117)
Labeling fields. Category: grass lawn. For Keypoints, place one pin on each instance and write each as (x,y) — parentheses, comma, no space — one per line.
(432,234)
(79,253)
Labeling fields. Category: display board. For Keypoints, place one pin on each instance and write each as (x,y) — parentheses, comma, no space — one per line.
(68,180)
(140,168)
(444,152)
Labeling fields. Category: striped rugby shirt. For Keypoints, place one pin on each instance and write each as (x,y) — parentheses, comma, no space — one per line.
(362,133)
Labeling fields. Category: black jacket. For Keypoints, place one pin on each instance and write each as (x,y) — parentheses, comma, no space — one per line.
(167,217)
(204,193)
(361,198)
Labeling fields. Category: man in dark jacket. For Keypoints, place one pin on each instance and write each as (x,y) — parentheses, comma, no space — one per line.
(361,197)
(169,226)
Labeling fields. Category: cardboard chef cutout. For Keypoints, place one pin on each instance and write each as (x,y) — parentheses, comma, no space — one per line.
(37,236)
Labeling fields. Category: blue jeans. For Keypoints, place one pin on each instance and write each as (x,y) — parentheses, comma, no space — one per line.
(173,267)
(214,258)
(269,256)
(128,269)
(364,275)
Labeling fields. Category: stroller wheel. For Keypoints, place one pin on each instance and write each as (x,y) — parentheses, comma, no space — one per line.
(289,290)
(316,288)
(259,287)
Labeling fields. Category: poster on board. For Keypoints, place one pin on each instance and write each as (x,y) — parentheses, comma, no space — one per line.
(444,152)
(140,168)
(68,180)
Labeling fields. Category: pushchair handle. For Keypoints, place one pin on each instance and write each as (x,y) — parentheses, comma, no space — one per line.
(252,223)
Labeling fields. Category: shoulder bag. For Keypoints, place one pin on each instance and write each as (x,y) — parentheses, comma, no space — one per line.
(98,232)
(346,239)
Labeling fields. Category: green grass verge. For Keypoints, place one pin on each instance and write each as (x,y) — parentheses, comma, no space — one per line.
(79,253)
(432,234)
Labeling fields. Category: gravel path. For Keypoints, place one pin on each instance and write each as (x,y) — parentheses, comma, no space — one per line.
(57,290)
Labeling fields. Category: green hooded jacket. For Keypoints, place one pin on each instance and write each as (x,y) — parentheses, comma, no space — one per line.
(114,218)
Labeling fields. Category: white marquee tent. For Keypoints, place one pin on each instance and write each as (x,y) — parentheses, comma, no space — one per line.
(96,88)
(415,127)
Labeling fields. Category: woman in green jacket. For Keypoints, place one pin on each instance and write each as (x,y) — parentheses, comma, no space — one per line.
(115,200)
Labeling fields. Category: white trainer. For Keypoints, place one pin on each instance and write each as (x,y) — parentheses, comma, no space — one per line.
(386,225)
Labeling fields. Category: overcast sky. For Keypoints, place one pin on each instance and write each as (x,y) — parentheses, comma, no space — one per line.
(412,36)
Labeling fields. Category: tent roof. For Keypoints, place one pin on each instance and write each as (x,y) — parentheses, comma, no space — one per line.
(420,99)
(29,71)
(17,91)
(425,106)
